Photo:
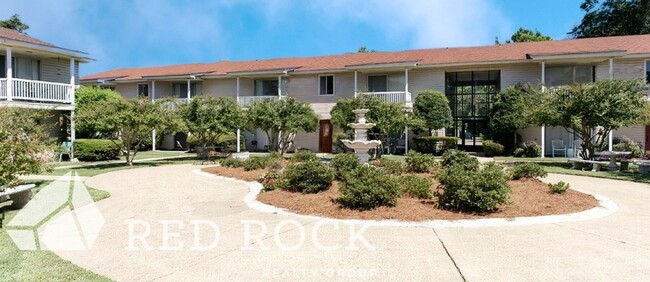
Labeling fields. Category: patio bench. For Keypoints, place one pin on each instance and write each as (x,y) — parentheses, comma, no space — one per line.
(579,164)
(209,154)
(20,195)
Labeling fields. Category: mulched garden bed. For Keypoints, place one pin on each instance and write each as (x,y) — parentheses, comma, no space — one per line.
(529,198)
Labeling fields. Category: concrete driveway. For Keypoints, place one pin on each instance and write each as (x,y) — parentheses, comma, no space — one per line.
(176,205)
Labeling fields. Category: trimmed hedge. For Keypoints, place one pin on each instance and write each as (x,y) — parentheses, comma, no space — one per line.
(436,145)
(96,150)
(528,170)
(491,148)
(460,159)
(343,164)
(308,177)
(369,187)
(419,163)
(473,191)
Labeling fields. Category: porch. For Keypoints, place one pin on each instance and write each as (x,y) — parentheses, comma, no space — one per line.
(34,91)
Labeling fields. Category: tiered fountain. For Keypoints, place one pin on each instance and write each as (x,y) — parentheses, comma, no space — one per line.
(361,144)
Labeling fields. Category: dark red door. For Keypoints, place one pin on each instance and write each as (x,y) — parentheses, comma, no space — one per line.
(325,136)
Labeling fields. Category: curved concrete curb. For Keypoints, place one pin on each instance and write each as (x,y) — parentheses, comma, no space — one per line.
(605,208)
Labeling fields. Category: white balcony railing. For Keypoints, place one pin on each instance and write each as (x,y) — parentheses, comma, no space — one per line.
(391,97)
(244,101)
(35,91)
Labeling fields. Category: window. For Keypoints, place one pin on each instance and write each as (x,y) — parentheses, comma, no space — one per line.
(326,85)
(3,61)
(647,71)
(377,83)
(266,87)
(567,75)
(107,87)
(26,68)
(180,89)
(143,90)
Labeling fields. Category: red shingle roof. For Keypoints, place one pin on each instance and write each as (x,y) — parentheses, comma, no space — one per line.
(632,44)
(15,35)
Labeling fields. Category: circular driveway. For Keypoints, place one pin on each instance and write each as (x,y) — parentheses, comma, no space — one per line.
(199,228)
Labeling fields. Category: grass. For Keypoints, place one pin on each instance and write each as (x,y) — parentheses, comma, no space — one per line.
(115,166)
(617,175)
(139,156)
(536,160)
(17,265)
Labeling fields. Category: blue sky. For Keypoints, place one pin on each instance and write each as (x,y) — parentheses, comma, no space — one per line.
(120,33)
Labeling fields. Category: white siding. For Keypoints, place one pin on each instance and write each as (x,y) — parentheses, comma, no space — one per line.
(307,141)
(422,79)
(623,69)
(635,132)
(521,74)
(58,70)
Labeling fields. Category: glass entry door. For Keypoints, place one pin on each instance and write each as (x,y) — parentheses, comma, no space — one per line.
(471,134)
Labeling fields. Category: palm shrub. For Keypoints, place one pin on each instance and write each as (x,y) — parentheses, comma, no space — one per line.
(459,159)
(558,188)
(308,177)
(369,187)
(343,164)
(415,186)
(418,162)
(528,170)
(475,191)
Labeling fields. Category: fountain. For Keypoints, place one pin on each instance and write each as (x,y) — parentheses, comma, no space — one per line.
(361,144)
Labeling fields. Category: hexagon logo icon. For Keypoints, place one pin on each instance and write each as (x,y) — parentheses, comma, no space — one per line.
(61,216)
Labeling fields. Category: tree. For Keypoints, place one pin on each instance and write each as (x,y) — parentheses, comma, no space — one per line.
(433,108)
(24,147)
(527,35)
(613,17)
(129,122)
(87,94)
(208,118)
(363,49)
(592,110)
(14,23)
(510,112)
(281,120)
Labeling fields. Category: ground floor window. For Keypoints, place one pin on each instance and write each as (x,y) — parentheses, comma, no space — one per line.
(143,90)
(470,96)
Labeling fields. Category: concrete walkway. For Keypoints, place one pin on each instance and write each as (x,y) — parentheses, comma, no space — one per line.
(616,247)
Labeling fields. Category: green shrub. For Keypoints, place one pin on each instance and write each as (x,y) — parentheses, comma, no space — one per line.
(529,149)
(272,181)
(475,191)
(528,170)
(629,145)
(558,188)
(418,162)
(460,159)
(369,187)
(343,164)
(256,163)
(96,150)
(434,144)
(304,156)
(231,162)
(391,166)
(415,186)
(308,177)
(492,148)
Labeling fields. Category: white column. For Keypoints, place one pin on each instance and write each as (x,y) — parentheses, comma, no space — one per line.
(153,132)
(73,130)
(279,86)
(9,73)
(238,90)
(611,133)
(407,97)
(406,140)
(543,137)
(238,140)
(189,90)
(355,85)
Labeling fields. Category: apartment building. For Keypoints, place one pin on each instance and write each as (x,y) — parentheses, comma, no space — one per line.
(469,76)
(39,75)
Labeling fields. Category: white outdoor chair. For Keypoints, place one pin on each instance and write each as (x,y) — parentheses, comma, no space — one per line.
(558,145)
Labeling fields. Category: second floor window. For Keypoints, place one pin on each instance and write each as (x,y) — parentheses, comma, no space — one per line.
(327,85)
(143,90)
(561,76)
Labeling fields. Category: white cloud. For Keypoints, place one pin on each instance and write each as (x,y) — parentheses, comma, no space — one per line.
(424,23)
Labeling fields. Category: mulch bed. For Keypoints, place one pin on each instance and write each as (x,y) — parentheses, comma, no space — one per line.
(529,198)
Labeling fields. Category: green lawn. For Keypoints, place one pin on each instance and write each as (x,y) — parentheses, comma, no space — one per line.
(114,166)
(627,176)
(536,160)
(139,156)
(17,265)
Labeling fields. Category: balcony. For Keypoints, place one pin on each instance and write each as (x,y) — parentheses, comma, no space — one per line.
(244,101)
(400,97)
(33,91)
